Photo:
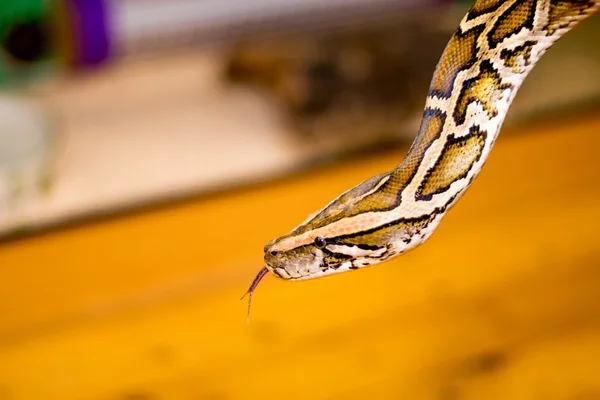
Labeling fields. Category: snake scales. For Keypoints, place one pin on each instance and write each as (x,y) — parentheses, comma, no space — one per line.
(487,59)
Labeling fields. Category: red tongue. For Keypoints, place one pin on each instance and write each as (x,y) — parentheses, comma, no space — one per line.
(252,288)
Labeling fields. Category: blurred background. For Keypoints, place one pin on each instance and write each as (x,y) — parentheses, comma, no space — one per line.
(148,150)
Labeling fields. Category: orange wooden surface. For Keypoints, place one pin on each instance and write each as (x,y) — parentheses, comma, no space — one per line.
(503,302)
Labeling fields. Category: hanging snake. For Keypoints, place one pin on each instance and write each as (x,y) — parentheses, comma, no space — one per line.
(485,62)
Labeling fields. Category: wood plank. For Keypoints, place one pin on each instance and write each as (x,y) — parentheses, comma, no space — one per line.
(502,302)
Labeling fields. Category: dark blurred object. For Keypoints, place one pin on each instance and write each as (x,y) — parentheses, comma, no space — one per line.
(366,83)
(27,41)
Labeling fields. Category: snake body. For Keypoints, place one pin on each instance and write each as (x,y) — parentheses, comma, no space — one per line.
(496,45)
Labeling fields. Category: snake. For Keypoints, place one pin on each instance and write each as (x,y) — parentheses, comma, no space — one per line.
(496,45)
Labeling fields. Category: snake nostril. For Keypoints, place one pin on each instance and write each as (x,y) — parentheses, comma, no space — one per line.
(273,253)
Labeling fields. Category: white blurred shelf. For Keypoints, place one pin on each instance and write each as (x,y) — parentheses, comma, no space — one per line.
(145,131)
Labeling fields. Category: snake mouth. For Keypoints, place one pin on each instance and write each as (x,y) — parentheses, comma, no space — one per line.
(275,272)
(280,272)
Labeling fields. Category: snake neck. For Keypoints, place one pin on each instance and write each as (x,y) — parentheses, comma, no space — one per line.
(480,71)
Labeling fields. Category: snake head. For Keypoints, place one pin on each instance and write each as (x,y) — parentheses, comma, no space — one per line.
(320,257)
(332,240)
(295,262)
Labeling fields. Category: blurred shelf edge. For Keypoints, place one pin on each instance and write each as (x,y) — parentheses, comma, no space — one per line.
(169,25)
(120,129)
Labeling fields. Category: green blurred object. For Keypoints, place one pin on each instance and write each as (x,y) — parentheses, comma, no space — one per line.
(25,49)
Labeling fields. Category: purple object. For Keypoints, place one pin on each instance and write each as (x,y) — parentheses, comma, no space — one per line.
(92,45)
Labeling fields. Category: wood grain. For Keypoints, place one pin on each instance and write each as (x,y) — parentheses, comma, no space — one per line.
(501,303)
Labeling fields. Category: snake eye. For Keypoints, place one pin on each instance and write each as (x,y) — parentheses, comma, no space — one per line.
(320,242)
(273,253)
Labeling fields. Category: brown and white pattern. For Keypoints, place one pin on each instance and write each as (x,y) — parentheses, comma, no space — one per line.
(485,62)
